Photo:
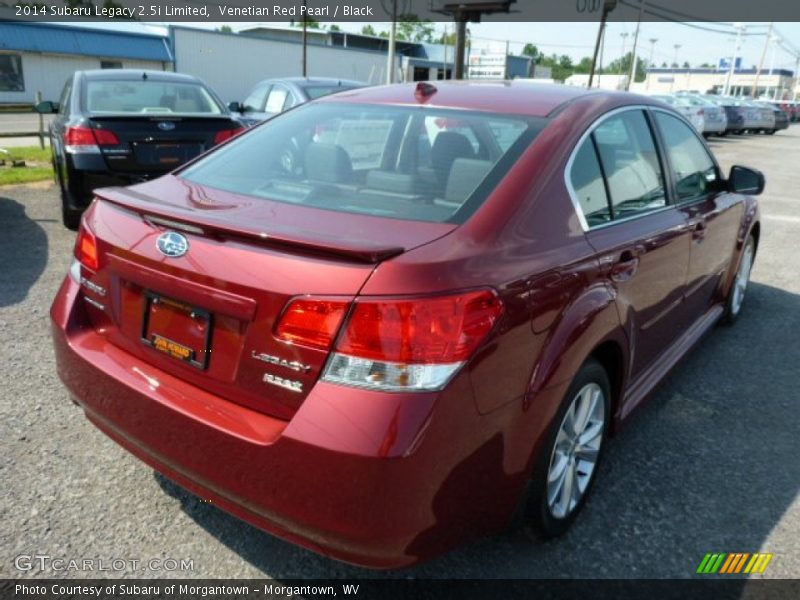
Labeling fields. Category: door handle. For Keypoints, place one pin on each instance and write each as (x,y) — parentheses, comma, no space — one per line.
(698,231)
(627,264)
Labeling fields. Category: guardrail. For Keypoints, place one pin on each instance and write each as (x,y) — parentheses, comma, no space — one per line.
(25,109)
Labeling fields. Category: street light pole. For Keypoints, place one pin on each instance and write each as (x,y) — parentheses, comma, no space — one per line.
(739,30)
(675,68)
(624,37)
(650,61)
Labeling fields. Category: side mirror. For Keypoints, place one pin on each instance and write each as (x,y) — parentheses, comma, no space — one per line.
(47,107)
(743,180)
(235,107)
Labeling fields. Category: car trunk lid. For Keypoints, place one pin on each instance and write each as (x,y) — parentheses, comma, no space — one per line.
(209,316)
(155,144)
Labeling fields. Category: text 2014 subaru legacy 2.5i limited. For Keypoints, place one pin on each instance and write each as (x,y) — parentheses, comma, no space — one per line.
(397,318)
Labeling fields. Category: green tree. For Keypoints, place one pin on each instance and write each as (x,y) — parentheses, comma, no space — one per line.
(623,67)
(225,29)
(410,27)
(334,27)
(368,30)
(532,51)
(585,65)
(310,23)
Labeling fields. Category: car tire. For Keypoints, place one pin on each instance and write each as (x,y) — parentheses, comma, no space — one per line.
(548,510)
(736,295)
(771,131)
(70,216)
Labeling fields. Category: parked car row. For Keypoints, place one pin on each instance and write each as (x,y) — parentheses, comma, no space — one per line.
(124,126)
(722,115)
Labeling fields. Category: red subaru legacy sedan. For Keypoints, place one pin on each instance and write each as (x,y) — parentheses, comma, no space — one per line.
(397,318)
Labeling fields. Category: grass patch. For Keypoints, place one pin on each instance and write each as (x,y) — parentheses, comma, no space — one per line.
(37,165)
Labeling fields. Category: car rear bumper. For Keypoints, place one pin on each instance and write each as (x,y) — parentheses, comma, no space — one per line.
(378,480)
(86,173)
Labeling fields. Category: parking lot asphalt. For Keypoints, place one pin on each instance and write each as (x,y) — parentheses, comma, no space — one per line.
(709,464)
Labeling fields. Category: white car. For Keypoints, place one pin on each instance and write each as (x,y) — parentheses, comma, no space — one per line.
(715,120)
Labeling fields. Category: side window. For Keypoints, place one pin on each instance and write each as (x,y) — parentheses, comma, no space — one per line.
(630,162)
(587,183)
(276,99)
(255,101)
(694,170)
(63,103)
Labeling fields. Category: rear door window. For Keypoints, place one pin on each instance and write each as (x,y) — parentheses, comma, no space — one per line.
(631,165)
(693,169)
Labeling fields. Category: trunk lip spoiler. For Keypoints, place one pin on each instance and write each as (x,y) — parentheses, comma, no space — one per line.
(189,221)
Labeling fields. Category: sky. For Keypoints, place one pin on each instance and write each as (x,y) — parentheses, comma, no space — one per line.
(697,46)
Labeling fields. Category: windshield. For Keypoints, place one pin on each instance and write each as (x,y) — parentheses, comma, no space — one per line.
(399,162)
(143,96)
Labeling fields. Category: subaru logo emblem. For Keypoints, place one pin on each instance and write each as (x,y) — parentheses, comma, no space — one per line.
(172,244)
(166,125)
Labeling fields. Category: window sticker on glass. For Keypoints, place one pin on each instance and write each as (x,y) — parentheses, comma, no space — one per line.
(365,141)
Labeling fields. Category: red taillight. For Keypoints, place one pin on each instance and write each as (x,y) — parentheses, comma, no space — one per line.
(226,134)
(86,249)
(311,322)
(106,137)
(85,136)
(437,330)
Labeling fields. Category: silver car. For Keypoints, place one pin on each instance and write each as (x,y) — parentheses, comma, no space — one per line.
(715,120)
(683,106)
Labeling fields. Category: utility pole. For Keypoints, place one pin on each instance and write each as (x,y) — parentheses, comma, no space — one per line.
(739,30)
(650,61)
(608,6)
(305,41)
(633,53)
(796,79)
(761,62)
(675,68)
(600,60)
(392,37)
(775,41)
(461,43)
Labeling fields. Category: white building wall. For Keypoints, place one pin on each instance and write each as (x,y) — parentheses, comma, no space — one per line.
(233,64)
(48,73)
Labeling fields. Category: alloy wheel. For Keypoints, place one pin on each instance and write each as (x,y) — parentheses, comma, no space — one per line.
(576,450)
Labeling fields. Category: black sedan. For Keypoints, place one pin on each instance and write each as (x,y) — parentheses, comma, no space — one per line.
(117,127)
(273,96)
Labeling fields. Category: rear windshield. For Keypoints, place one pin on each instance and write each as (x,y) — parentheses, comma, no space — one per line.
(318,91)
(142,96)
(400,162)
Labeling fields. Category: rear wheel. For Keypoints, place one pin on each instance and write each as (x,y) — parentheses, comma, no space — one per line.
(70,216)
(735,300)
(568,463)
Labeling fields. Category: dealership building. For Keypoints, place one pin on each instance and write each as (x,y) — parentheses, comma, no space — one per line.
(779,83)
(39,57)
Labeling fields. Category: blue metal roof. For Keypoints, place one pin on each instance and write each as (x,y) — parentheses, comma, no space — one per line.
(59,39)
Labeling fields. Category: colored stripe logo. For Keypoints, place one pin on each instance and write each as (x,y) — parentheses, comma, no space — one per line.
(734,562)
